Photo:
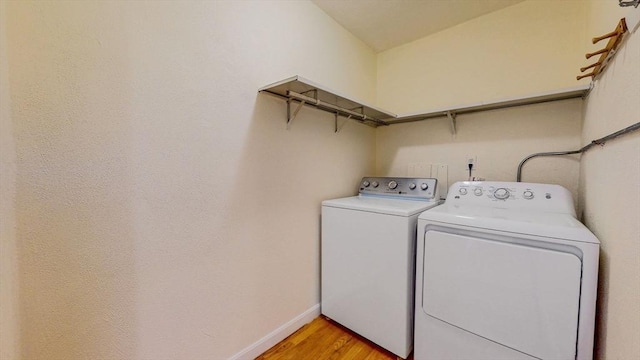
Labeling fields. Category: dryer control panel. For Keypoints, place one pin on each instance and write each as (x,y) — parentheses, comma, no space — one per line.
(512,195)
(417,188)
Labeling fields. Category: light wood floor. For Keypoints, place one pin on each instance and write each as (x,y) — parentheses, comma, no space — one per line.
(324,339)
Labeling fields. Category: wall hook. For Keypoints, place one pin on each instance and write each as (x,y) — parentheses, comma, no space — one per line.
(606,53)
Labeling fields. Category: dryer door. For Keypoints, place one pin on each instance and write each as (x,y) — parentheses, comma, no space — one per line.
(520,296)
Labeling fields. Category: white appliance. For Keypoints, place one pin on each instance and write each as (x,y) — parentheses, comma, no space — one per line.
(368,258)
(505,271)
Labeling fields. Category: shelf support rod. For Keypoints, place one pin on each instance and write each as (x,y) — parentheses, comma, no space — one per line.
(290,118)
(314,93)
(452,121)
(359,108)
(343,124)
(333,108)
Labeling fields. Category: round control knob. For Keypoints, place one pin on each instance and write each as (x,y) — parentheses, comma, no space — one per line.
(528,194)
(477,192)
(412,186)
(375,184)
(365,183)
(463,191)
(501,194)
(424,186)
(392,184)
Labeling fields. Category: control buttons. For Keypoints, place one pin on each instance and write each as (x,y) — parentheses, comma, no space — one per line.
(501,194)
(411,188)
(463,191)
(528,194)
(477,192)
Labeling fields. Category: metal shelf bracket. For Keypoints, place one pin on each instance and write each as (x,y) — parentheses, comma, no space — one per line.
(452,121)
(310,94)
(338,128)
(358,110)
(290,117)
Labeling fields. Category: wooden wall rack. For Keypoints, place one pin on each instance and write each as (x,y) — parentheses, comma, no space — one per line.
(606,53)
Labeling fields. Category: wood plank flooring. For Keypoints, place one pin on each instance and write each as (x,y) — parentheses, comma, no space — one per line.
(324,339)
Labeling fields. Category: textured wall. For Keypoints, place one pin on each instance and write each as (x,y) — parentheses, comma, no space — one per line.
(523,49)
(499,140)
(9,284)
(163,210)
(610,190)
(530,47)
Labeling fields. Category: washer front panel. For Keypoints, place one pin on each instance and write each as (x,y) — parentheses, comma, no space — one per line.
(368,269)
(522,297)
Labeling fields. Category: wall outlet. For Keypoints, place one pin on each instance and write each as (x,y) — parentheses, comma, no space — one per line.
(471,159)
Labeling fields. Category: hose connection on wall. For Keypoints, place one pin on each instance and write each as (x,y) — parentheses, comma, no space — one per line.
(600,141)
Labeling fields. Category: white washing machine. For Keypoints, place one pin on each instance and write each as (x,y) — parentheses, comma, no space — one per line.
(368,258)
(505,271)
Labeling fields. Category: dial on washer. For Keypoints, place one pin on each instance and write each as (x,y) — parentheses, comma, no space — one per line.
(501,193)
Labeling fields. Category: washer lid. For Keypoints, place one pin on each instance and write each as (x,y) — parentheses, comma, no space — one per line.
(537,223)
(381,205)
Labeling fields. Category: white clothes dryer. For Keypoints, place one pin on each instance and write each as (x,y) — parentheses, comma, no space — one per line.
(505,271)
(368,258)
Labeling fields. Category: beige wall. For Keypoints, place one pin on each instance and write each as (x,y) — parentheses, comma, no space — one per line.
(163,210)
(159,209)
(498,139)
(9,312)
(530,47)
(610,191)
(605,180)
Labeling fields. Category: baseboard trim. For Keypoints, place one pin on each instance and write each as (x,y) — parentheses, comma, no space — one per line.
(254,350)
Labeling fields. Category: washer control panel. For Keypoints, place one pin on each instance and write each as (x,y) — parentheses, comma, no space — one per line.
(421,188)
(547,197)
(497,192)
